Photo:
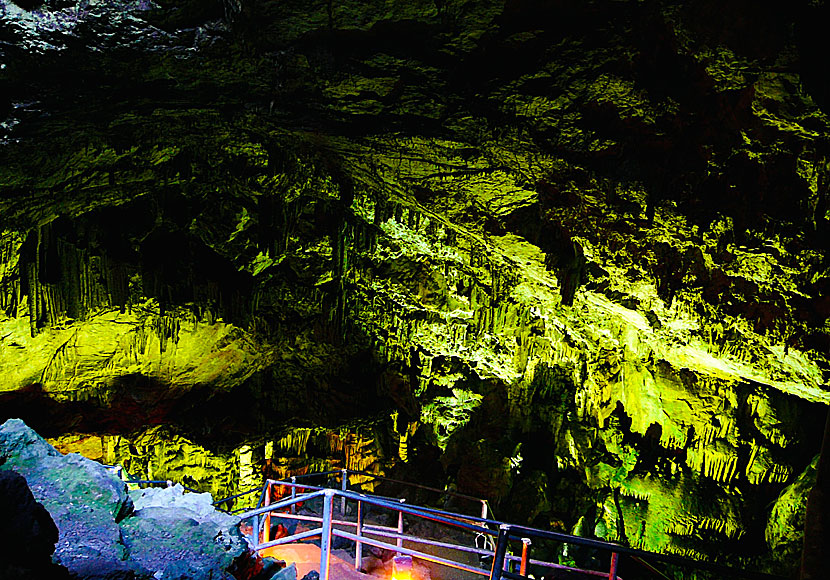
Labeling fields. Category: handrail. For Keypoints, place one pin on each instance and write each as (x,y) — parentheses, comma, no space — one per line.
(282,504)
(484,503)
(510,531)
(418,485)
(409,552)
(393,503)
(326,530)
(433,514)
(226,499)
(506,533)
(317,473)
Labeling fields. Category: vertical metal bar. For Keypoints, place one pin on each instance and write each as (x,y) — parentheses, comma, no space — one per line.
(399,541)
(293,495)
(325,542)
(358,549)
(501,551)
(267,531)
(615,557)
(255,532)
(525,550)
(344,485)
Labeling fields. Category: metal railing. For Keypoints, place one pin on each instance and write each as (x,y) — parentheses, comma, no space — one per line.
(261,526)
(261,519)
(345,483)
(503,565)
(508,532)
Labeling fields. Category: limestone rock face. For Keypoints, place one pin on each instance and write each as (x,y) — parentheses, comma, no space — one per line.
(100,534)
(580,242)
(785,528)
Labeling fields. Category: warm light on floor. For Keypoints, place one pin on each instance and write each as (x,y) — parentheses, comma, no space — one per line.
(402,568)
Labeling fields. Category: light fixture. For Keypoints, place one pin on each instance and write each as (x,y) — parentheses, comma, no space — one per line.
(402,568)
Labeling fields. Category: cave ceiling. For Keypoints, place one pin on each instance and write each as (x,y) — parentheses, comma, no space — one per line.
(544,237)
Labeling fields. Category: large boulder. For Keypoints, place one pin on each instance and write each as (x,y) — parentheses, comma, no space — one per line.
(27,535)
(196,541)
(85,500)
(100,533)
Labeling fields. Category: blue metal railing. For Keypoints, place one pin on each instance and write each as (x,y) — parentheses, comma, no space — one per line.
(502,559)
(508,532)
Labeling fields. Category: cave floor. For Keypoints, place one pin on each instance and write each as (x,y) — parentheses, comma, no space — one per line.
(306,557)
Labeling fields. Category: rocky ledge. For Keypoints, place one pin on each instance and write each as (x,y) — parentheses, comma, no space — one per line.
(103,530)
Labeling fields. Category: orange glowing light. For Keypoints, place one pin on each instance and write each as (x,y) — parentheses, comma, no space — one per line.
(402,568)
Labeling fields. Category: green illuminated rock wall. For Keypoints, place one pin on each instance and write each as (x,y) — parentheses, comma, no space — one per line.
(567,256)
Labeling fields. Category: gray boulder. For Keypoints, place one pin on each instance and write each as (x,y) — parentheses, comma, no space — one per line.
(86,502)
(287,573)
(101,534)
(173,534)
(198,505)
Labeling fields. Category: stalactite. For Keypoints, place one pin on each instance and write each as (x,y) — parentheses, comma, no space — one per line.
(294,442)
(34,302)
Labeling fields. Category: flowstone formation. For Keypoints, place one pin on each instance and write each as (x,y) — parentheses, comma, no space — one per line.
(568,256)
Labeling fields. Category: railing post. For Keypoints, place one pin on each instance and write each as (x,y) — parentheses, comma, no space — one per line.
(325,541)
(501,551)
(293,495)
(358,549)
(344,485)
(255,532)
(267,530)
(615,557)
(525,550)
(399,541)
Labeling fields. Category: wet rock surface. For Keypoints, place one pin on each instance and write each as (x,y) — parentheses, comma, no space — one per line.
(578,249)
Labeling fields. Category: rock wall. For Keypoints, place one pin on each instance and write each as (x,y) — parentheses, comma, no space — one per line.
(570,256)
(102,533)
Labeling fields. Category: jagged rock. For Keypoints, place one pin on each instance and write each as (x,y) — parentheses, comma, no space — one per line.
(173,534)
(85,500)
(165,543)
(100,535)
(785,526)
(287,573)
(196,505)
